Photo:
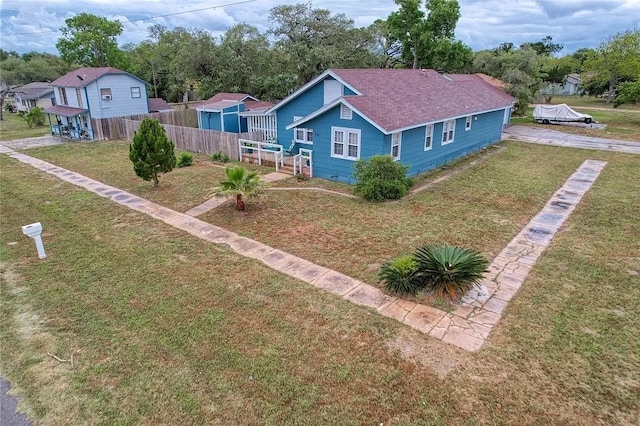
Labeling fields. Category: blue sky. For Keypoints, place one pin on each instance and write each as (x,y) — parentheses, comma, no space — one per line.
(33,24)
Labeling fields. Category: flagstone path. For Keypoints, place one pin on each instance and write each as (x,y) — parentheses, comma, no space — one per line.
(466,327)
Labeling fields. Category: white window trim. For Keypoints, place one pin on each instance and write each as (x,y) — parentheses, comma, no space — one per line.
(105,94)
(306,133)
(139,92)
(345,112)
(467,123)
(445,131)
(396,140)
(428,135)
(345,144)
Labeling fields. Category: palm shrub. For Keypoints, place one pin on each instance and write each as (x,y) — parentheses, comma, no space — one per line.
(380,178)
(399,275)
(449,269)
(151,151)
(240,182)
(34,118)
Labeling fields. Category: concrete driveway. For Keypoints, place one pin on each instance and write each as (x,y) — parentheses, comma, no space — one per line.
(35,142)
(554,137)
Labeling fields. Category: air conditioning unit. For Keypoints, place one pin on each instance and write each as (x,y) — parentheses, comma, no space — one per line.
(106,97)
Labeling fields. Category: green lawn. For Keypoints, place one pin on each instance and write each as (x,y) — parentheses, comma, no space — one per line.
(588,101)
(108,162)
(14,127)
(166,328)
(623,125)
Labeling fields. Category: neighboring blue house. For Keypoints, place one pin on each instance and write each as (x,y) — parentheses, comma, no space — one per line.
(229,112)
(94,93)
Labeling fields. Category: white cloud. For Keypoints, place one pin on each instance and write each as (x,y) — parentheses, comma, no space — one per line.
(484,24)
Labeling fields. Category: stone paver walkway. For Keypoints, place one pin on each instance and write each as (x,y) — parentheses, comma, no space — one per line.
(543,136)
(467,327)
(210,204)
(274,177)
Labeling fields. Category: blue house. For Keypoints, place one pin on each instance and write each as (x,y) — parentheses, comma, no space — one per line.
(94,93)
(420,117)
(229,112)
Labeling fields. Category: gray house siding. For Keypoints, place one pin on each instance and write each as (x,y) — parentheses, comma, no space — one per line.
(122,103)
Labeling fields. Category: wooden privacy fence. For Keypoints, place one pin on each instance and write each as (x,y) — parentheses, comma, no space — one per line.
(190,139)
(109,128)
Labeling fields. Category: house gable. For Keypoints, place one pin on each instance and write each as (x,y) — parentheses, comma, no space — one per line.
(116,95)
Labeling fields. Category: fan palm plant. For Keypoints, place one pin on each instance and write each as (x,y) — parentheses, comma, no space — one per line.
(449,269)
(240,182)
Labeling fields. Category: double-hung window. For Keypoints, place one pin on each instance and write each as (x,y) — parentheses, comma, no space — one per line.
(448,131)
(396,138)
(467,123)
(345,143)
(428,137)
(62,93)
(79,97)
(303,135)
(135,92)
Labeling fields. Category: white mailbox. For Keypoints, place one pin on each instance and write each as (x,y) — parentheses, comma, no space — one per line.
(34,230)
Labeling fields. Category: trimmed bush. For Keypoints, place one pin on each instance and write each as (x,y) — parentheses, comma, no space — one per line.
(399,276)
(380,178)
(184,160)
(449,269)
(220,157)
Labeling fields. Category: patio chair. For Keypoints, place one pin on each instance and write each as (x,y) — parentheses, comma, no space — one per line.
(291,147)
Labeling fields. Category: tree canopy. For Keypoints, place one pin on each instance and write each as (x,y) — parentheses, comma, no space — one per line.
(91,41)
(616,60)
(427,38)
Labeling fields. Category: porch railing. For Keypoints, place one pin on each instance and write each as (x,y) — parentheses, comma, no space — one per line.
(300,161)
(262,149)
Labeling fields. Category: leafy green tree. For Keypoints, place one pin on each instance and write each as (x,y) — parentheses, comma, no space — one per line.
(240,183)
(316,40)
(616,60)
(449,269)
(545,47)
(628,93)
(91,41)
(17,70)
(520,70)
(151,151)
(427,39)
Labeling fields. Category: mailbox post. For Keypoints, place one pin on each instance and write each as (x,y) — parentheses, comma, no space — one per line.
(34,230)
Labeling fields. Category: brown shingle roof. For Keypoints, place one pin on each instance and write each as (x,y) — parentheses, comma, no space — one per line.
(253,105)
(84,76)
(227,97)
(34,90)
(397,99)
(158,104)
(65,111)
